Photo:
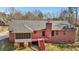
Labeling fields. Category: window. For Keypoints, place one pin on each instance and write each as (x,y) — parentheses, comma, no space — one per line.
(52,33)
(23,35)
(43,33)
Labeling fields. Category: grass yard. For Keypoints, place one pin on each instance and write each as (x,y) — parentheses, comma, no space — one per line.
(56,47)
(5,45)
(62,47)
(25,49)
(0,45)
(9,47)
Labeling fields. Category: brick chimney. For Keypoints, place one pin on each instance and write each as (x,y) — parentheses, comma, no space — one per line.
(49,25)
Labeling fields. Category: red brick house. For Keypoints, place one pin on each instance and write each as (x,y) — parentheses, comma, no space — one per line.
(41,32)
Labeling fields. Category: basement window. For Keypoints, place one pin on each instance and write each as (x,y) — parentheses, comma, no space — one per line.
(23,35)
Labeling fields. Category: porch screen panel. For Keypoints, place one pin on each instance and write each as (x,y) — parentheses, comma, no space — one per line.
(23,35)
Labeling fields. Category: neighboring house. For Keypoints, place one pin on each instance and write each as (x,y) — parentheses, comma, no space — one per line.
(41,31)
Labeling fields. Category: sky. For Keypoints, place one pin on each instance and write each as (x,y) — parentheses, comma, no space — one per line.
(54,10)
(51,10)
(42,9)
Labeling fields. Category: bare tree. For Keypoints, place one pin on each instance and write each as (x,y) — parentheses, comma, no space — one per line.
(70,14)
(73,14)
(15,14)
(38,15)
(29,16)
(63,15)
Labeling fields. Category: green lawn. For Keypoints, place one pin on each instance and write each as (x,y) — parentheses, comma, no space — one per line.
(9,47)
(6,46)
(62,47)
(56,47)
(0,45)
(48,47)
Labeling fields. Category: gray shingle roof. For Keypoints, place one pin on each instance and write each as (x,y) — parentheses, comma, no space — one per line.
(58,25)
(30,25)
(26,26)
